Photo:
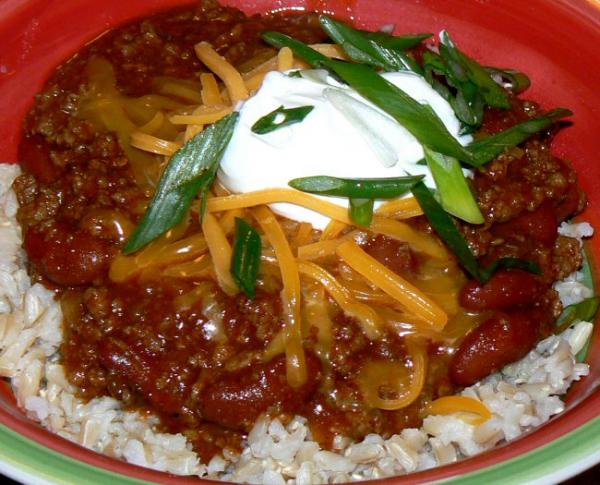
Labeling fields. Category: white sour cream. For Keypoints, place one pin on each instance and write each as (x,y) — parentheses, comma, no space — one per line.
(325,142)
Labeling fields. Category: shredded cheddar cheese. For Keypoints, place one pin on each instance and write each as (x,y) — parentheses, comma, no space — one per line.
(220,251)
(467,408)
(291,295)
(228,74)
(393,284)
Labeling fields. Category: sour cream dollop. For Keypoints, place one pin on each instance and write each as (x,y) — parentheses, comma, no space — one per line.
(326,142)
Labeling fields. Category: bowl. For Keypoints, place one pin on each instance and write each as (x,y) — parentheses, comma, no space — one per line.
(553,41)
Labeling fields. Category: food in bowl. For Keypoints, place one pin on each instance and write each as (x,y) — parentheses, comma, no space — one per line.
(352,332)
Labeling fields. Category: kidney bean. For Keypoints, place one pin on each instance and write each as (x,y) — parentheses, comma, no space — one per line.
(500,340)
(237,400)
(572,203)
(67,257)
(117,356)
(34,156)
(506,289)
(165,387)
(539,225)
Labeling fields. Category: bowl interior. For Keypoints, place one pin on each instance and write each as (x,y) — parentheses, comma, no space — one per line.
(553,41)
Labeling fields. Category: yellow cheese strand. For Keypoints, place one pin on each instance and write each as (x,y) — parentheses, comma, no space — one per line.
(409,296)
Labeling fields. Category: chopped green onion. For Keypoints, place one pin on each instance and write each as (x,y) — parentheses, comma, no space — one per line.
(468,103)
(374,50)
(245,259)
(510,79)
(434,64)
(583,311)
(509,263)
(474,86)
(300,49)
(379,188)
(489,148)
(280,118)
(453,189)
(361,211)
(468,107)
(398,42)
(361,192)
(443,224)
(465,68)
(192,169)
(445,227)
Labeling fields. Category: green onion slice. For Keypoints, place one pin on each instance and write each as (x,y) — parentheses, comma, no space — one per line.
(510,79)
(466,68)
(453,189)
(583,311)
(474,86)
(434,64)
(377,188)
(468,103)
(361,211)
(280,118)
(192,169)
(489,148)
(398,42)
(374,50)
(245,259)
(300,49)
(443,224)
(508,263)
(445,227)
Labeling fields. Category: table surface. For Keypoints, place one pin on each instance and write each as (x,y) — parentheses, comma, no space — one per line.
(589,477)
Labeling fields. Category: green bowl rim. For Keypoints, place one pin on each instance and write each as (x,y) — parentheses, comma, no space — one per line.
(37,460)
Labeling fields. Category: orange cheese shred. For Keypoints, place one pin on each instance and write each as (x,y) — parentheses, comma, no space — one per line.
(180,90)
(392,375)
(154,124)
(400,208)
(228,74)
(477,412)
(319,249)
(333,230)
(195,269)
(369,319)
(296,371)
(228,220)
(160,253)
(269,196)
(220,251)
(285,59)
(203,115)
(330,50)
(409,296)
(303,234)
(152,144)
(211,95)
